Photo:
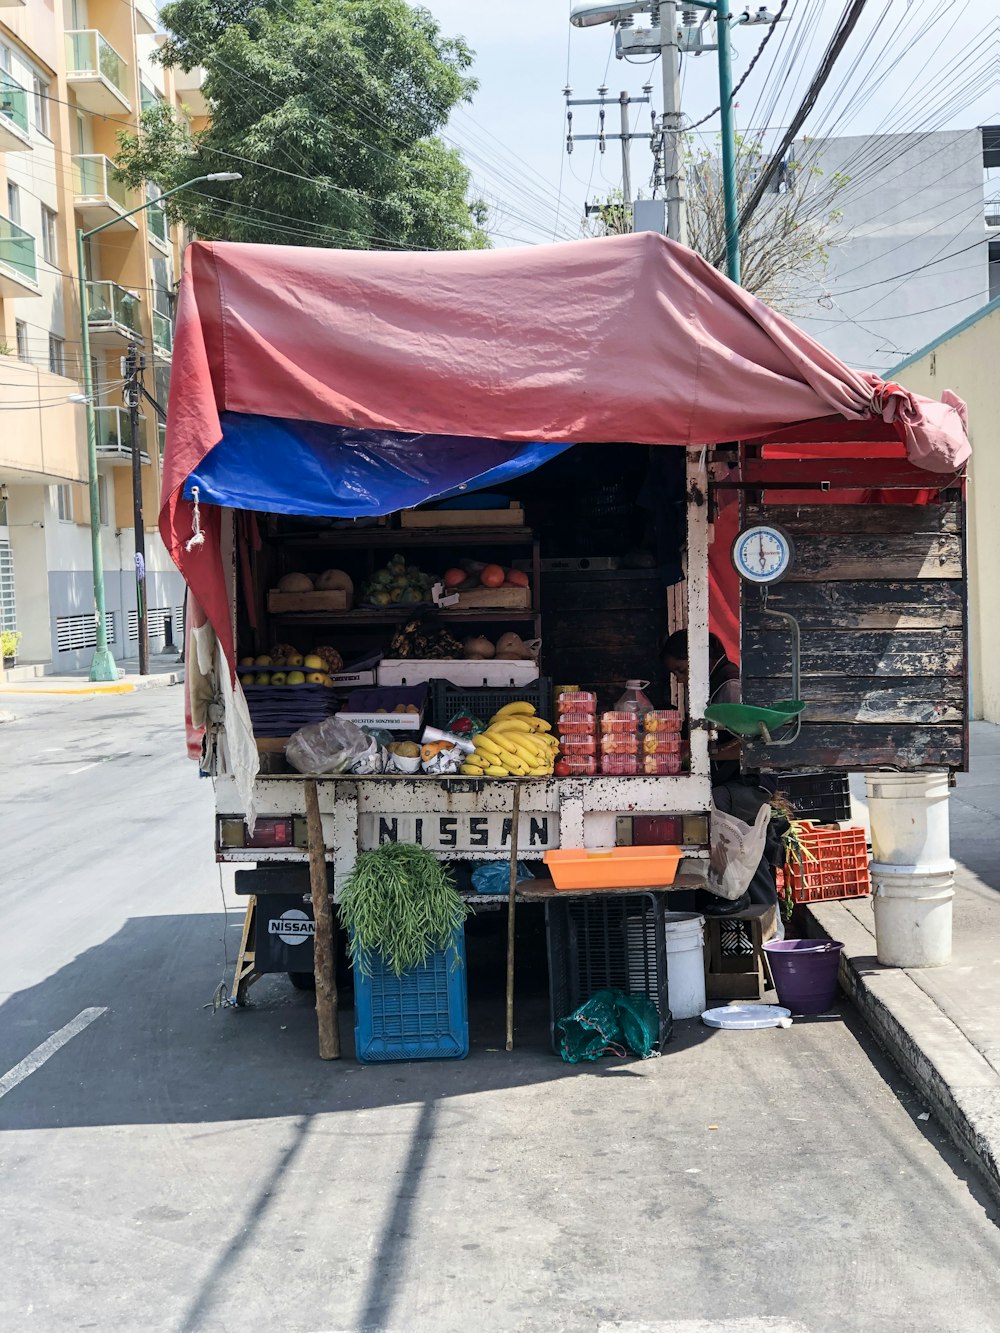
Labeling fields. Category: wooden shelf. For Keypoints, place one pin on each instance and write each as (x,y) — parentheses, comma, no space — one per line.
(400,615)
(353,538)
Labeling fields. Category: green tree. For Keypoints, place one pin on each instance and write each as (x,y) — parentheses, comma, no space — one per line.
(338,101)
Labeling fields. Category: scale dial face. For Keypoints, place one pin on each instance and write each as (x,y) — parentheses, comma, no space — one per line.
(763,554)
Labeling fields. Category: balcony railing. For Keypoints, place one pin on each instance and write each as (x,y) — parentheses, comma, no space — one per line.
(163,333)
(149,98)
(13,101)
(91,62)
(96,179)
(111,306)
(114,433)
(993,212)
(17,250)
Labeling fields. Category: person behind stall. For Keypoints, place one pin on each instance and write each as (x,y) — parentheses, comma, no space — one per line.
(736,793)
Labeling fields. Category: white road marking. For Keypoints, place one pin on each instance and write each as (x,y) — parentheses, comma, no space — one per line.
(72,771)
(47,1049)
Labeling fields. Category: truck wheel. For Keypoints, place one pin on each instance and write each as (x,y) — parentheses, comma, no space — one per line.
(302,980)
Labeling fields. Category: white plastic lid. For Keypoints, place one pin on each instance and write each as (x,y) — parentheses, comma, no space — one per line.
(746,1017)
(636,684)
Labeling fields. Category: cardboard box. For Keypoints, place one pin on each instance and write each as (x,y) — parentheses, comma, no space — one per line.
(463,518)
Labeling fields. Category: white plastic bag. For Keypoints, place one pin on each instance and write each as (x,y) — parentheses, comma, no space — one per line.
(735,851)
(331,746)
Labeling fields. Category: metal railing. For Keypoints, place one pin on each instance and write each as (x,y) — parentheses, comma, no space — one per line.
(108,303)
(96,179)
(163,333)
(114,430)
(87,52)
(13,101)
(17,249)
(993,212)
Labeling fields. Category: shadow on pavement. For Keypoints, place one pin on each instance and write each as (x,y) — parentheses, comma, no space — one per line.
(161,1056)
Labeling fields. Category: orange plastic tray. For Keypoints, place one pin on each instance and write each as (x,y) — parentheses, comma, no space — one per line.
(614,868)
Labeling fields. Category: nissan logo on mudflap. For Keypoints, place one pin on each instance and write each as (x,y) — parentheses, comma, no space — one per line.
(294,927)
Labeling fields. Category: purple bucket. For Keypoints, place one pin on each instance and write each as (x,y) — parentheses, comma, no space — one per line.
(804,973)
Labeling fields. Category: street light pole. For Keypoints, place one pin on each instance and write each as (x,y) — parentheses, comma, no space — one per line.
(102,666)
(728,141)
(136,363)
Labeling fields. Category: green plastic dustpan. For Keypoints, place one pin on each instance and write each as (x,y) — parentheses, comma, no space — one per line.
(746,720)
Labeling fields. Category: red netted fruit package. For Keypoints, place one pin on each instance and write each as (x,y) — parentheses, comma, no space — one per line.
(619,745)
(572,747)
(620,723)
(577,724)
(580,702)
(661,765)
(620,765)
(584,765)
(662,719)
(661,742)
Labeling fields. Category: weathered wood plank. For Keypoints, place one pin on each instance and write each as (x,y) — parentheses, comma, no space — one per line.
(853,749)
(935,604)
(921,700)
(876,520)
(844,556)
(888,653)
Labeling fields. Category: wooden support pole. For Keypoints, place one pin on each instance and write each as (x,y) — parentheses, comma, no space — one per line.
(515,821)
(323,941)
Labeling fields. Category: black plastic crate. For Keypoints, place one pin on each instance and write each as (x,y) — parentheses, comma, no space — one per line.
(823,797)
(617,941)
(448,699)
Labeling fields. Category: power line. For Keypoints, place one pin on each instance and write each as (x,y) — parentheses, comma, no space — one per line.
(749,69)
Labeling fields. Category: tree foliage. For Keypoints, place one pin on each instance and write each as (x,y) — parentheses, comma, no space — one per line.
(330,109)
(783,248)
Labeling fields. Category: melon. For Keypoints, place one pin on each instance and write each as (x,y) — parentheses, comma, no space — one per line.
(335,580)
(295,582)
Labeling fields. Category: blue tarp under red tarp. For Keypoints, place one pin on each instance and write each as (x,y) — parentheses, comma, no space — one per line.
(282,466)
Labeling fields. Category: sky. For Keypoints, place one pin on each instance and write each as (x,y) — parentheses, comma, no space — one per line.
(914,65)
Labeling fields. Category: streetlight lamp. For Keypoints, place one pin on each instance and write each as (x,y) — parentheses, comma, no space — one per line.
(102,666)
(621,13)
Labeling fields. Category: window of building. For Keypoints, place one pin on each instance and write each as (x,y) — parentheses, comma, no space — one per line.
(57,355)
(40,96)
(50,242)
(102,498)
(65,502)
(21,334)
(13,202)
(5,57)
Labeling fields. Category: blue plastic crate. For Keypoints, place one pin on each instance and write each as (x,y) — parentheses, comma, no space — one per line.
(422,1015)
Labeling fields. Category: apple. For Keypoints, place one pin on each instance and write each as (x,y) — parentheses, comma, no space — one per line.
(293,660)
(295,678)
(313,663)
(247,678)
(315,678)
(246,661)
(262,661)
(278,678)
(262,678)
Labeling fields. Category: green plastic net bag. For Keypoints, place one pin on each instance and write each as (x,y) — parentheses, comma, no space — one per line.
(609,1023)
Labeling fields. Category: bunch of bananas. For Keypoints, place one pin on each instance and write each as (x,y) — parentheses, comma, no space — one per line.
(517,743)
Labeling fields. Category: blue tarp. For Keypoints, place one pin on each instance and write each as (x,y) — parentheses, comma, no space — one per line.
(282,466)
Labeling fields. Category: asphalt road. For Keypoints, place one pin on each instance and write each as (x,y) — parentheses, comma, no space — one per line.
(172,1169)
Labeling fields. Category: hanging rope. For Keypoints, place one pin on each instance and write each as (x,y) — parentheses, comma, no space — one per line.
(198,537)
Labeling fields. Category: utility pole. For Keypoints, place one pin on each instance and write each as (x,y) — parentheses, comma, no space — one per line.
(673,166)
(625,100)
(134,366)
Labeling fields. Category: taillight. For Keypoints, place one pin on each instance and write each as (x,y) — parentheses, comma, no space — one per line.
(268,833)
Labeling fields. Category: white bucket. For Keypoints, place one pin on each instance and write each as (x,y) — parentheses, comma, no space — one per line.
(686,964)
(909,818)
(913,914)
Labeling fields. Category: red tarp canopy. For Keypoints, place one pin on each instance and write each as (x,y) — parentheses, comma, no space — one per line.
(630,338)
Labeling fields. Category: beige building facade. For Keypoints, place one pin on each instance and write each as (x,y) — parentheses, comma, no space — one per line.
(966,359)
(72,76)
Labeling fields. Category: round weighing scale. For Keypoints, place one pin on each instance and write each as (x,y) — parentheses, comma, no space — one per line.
(763,554)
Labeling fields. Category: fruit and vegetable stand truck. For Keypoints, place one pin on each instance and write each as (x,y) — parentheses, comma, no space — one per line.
(335,407)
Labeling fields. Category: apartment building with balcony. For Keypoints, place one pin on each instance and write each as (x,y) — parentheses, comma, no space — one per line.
(72,76)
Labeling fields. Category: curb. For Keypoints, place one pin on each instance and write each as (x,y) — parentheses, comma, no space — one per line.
(132,686)
(957,1083)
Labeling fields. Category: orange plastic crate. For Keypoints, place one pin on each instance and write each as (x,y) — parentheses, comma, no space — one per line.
(615,868)
(840,867)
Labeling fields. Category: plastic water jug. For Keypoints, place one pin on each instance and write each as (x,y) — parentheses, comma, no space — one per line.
(634,700)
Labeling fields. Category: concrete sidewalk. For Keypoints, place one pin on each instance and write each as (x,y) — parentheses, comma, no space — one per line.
(164,671)
(942,1025)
